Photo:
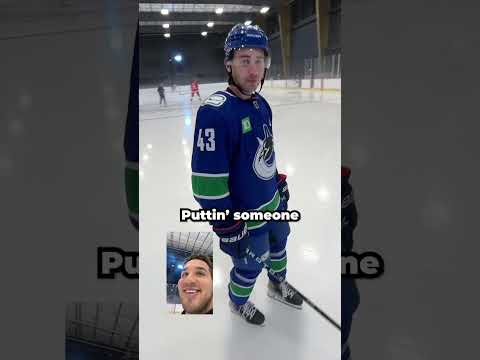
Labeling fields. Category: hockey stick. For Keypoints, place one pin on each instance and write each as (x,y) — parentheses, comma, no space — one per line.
(280,279)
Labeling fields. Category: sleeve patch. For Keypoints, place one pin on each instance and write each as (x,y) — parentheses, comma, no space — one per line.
(216,100)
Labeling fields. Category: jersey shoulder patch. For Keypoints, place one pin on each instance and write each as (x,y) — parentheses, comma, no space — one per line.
(215,100)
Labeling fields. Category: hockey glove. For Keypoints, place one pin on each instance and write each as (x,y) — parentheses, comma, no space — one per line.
(233,238)
(282,187)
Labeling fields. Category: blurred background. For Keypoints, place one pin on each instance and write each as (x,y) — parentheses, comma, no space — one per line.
(183,40)
(98,331)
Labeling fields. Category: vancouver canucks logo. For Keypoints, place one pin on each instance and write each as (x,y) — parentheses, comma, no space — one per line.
(264,162)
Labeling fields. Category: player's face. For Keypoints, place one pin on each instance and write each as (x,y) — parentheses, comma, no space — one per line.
(248,66)
(196,287)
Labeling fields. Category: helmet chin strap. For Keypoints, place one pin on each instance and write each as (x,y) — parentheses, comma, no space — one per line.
(263,79)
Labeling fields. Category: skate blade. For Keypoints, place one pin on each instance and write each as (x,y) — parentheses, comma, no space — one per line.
(280,299)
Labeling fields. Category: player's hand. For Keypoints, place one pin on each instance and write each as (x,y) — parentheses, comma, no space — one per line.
(282,187)
(233,238)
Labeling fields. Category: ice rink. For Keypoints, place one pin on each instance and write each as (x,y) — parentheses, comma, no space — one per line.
(307,131)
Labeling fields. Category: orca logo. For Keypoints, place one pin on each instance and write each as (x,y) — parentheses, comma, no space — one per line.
(264,162)
(113,260)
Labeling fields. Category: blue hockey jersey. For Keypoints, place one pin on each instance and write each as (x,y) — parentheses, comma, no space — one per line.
(233,158)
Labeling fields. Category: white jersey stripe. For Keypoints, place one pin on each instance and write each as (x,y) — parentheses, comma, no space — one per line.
(209,175)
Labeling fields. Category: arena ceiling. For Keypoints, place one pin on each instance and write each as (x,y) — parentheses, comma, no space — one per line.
(113,326)
(190,242)
(192,17)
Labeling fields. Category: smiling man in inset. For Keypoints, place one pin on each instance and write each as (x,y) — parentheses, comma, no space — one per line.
(195,286)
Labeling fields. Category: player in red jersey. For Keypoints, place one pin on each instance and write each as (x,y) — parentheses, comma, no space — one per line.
(194,88)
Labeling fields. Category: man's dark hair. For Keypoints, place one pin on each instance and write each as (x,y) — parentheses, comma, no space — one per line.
(203,258)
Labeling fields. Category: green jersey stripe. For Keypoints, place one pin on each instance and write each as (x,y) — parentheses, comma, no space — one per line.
(240,291)
(272,205)
(210,186)
(212,197)
(279,265)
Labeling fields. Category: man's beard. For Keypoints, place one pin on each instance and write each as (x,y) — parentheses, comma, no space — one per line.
(242,89)
(203,309)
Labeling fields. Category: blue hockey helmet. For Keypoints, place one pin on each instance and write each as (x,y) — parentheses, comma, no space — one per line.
(246,36)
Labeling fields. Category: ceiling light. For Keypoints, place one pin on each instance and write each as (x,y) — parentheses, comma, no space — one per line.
(248,22)
(210,24)
(167,35)
(204,33)
(166,26)
(264,9)
(164,11)
(218,11)
(178,58)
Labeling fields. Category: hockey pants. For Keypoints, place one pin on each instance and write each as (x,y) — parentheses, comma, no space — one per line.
(271,248)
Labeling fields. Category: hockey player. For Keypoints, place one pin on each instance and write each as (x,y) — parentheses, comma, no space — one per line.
(194,89)
(161,94)
(350,294)
(233,167)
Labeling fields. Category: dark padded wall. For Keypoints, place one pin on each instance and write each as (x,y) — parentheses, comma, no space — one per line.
(202,58)
(304,41)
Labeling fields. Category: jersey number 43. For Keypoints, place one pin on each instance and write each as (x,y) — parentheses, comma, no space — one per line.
(210,137)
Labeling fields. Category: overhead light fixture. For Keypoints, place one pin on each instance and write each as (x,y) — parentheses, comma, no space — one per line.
(164,11)
(178,58)
(204,33)
(167,35)
(218,11)
(166,26)
(264,9)
(248,22)
(210,24)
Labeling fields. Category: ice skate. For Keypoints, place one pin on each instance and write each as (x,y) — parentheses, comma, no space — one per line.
(249,312)
(284,293)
